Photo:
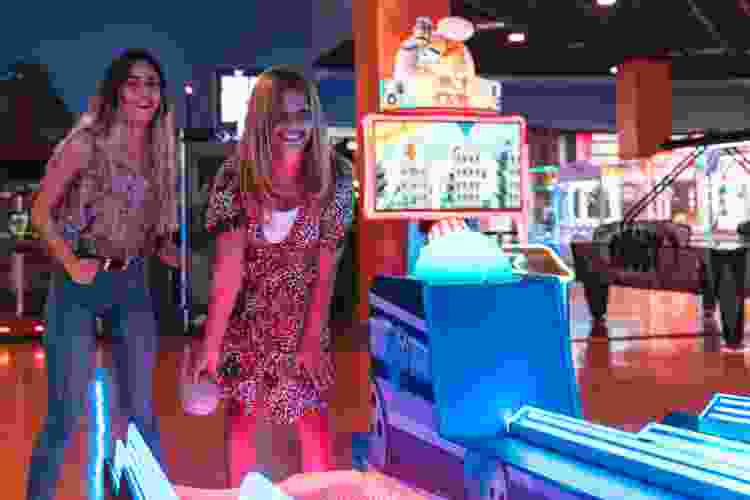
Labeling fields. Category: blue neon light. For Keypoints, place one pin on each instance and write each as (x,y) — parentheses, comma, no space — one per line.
(99,435)
(727,416)
(668,468)
(704,448)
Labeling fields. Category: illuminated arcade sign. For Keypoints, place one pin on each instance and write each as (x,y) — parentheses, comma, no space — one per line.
(435,69)
(604,148)
(433,166)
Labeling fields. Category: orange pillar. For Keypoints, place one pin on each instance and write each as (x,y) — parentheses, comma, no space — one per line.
(380,26)
(644,106)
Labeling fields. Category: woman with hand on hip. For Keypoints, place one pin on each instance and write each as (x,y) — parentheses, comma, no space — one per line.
(279,211)
(95,210)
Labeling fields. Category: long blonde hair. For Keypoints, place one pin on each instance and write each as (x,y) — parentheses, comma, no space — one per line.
(254,154)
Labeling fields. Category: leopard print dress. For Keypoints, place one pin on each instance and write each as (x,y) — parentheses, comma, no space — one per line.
(266,325)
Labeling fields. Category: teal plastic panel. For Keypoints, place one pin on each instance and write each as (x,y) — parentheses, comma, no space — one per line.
(705,448)
(463,257)
(494,349)
(727,416)
(630,455)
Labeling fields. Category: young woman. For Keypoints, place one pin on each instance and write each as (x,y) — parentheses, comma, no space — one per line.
(279,210)
(95,210)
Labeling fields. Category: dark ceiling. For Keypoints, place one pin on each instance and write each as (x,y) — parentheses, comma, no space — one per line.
(705,39)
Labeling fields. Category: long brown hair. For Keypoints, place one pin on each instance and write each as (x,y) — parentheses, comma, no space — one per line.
(254,149)
(102,116)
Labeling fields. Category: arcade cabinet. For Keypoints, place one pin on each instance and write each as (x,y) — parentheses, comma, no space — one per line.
(544,223)
(33,120)
(663,254)
(583,202)
(471,352)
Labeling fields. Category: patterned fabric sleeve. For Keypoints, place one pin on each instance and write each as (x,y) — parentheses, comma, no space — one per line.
(225,211)
(336,218)
(69,215)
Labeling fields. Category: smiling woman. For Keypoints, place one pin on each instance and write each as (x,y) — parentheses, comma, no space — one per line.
(280,207)
(95,211)
(141,94)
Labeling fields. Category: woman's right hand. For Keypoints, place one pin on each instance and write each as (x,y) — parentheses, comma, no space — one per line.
(205,360)
(446,226)
(83,271)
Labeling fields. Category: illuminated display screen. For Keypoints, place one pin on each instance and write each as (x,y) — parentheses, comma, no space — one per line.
(430,165)
(234,94)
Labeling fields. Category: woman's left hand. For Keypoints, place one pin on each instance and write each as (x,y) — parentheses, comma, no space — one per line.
(169,256)
(315,363)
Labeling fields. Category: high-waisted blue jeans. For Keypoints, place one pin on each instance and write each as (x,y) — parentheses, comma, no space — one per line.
(122,298)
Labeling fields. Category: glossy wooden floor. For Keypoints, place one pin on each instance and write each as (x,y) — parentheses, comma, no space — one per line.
(660,357)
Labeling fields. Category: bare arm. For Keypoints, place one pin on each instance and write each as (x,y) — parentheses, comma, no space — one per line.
(320,296)
(228,272)
(74,155)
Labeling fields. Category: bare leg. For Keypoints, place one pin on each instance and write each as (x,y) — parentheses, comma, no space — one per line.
(242,457)
(316,441)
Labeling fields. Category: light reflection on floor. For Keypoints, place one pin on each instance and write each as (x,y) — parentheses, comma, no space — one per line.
(661,357)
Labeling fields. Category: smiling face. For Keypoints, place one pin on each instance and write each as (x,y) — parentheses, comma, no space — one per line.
(292,126)
(284,144)
(140,95)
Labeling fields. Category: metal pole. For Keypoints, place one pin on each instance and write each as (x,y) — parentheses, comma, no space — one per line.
(188,110)
(17,256)
(184,195)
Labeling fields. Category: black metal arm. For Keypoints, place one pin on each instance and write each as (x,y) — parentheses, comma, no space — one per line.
(741,159)
(710,139)
(663,184)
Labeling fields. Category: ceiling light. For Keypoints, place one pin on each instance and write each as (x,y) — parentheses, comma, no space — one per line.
(606,3)
(189,88)
(613,70)
(517,37)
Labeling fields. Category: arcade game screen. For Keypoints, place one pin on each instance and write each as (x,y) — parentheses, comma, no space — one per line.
(418,164)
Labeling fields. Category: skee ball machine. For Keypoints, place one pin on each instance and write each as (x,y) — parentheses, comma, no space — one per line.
(472,368)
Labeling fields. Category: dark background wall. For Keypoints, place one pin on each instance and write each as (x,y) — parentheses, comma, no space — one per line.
(77,41)
(588,105)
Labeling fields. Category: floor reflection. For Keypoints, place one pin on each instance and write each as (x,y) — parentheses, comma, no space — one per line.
(655,355)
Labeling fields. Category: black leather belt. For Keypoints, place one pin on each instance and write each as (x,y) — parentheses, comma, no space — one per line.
(109,263)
